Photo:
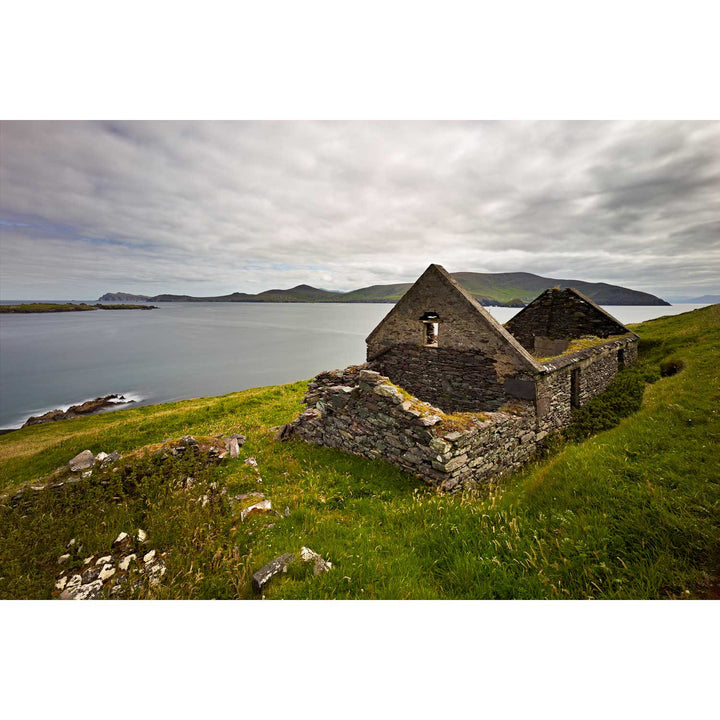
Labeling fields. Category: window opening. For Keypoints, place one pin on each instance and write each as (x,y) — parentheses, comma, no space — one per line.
(432,328)
(431,333)
(575,388)
(621,359)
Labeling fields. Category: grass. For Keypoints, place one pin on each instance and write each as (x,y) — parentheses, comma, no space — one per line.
(631,512)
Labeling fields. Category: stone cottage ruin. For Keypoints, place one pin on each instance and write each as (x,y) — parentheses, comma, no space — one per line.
(453,396)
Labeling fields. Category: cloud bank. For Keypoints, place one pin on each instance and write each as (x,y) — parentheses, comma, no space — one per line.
(208,208)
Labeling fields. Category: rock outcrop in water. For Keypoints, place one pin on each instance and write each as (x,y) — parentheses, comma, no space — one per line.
(86,408)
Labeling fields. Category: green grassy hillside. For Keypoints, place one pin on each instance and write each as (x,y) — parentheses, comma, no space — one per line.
(509,288)
(527,286)
(633,512)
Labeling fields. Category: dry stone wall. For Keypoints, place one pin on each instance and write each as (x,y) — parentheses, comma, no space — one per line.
(361,412)
(454,380)
(594,370)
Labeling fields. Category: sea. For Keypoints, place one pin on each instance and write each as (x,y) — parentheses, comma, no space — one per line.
(188,350)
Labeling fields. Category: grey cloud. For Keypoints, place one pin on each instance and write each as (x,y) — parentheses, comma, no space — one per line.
(216,207)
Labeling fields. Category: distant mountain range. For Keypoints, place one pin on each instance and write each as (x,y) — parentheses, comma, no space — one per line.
(508,289)
(703,300)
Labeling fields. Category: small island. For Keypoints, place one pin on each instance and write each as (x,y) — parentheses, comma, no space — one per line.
(68,307)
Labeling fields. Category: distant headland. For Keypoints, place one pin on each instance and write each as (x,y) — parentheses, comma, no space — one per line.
(497,289)
(68,307)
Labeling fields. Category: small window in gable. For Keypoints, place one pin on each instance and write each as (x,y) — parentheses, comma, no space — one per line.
(431,328)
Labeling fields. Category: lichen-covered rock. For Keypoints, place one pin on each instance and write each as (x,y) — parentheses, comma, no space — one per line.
(320,565)
(285,432)
(82,461)
(258,507)
(112,458)
(263,576)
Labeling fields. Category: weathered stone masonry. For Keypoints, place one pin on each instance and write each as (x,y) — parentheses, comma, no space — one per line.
(361,412)
(402,405)
(558,316)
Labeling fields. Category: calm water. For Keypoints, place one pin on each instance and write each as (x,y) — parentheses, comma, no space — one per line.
(185,350)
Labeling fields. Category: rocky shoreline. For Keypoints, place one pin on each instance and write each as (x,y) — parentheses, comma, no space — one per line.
(87,408)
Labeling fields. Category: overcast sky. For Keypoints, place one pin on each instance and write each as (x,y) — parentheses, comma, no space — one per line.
(208,208)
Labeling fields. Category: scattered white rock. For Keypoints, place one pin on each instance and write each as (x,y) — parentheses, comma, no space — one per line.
(71,543)
(100,457)
(73,582)
(124,564)
(307,555)
(101,577)
(141,536)
(63,559)
(107,572)
(87,474)
(120,539)
(251,461)
(84,592)
(262,506)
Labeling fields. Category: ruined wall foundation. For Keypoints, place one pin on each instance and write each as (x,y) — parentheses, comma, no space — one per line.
(362,412)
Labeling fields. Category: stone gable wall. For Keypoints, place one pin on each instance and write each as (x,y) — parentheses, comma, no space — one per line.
(474,357)
(560,315)
(462,325)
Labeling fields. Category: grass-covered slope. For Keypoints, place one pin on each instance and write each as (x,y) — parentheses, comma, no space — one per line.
(633,512)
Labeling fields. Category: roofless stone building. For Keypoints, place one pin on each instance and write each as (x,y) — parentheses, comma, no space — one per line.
(453,396)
